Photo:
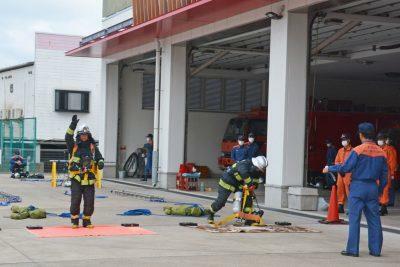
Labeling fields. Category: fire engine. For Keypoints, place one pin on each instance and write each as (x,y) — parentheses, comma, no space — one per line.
(322,124)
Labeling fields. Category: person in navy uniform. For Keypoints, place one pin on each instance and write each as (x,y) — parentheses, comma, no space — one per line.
(239,152)
(369,171)
(252,147)
(149,156)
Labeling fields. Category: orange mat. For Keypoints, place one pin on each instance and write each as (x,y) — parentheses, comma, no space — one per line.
(101,230)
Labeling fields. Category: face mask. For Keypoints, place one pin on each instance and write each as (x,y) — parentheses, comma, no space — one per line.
(241,143)
(388,142)
(148,140)
(345,143)
(381,142)
(251,139)
(328,145)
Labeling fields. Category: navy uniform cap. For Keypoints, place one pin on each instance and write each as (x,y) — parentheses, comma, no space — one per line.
(345,136)
(366,128)
(381,136)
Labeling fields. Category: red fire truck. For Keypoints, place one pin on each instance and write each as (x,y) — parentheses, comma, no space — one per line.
(322,125)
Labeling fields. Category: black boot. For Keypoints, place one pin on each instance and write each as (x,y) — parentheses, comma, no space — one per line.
(210,217)
(384,210)
(75,223)
(86,223)
(341,208)
(144,178)
(345,253)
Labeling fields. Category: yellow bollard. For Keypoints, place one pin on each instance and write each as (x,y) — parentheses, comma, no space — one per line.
(54,174)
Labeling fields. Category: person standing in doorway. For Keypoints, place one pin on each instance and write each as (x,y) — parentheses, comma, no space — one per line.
(149,156)
(392,165)
(368,167)
(343,179)
(239,152)
(252,147)
(331,153)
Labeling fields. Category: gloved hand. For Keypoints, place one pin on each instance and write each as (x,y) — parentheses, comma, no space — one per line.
(100,164)
(74,122)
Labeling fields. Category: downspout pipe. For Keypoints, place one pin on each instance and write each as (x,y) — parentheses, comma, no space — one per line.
(156,134)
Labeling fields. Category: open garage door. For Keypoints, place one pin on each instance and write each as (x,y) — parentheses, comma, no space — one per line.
(355,74)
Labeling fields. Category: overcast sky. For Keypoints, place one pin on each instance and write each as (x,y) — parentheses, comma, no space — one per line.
(20,19)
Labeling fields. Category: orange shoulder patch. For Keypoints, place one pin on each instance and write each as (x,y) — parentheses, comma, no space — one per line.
(370,149)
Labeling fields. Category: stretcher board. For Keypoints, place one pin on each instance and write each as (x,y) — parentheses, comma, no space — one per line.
(255,229)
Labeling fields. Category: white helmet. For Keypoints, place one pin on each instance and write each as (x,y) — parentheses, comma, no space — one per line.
(83,129)
(260,162)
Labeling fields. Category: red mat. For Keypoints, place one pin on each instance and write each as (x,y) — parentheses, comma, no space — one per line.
(101,230)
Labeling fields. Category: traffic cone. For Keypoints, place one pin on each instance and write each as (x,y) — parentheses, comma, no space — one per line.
(333,210)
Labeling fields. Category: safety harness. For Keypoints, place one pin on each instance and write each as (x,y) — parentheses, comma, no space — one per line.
(77,175)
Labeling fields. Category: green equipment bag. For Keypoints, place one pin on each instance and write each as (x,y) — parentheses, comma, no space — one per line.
(19,216)
(184,210)
(18,209)
(37,214)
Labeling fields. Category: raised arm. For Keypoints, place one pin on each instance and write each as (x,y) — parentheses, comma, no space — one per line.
(69,135)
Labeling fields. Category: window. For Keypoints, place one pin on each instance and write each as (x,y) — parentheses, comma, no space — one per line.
(148,91)
(253,94)
(233,95)
(195,94)
(210,94)
(77,101)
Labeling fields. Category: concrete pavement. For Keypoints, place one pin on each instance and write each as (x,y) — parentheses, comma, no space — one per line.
(173,245)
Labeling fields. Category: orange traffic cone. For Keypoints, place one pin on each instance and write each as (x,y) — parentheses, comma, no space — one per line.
(333,210)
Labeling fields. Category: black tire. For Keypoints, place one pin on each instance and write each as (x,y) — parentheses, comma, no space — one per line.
(131,165)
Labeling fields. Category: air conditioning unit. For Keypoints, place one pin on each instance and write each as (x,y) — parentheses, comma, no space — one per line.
(17,113)
(5,114)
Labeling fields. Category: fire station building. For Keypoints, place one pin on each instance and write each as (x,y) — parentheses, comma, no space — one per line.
(183,70)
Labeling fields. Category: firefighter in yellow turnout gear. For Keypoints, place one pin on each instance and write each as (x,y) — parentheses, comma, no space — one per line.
(85,160)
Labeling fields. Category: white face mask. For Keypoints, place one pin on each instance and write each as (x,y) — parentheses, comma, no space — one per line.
(241,143)
(328,145)
(251,139)
(148,140)
(381,142)
(345,143)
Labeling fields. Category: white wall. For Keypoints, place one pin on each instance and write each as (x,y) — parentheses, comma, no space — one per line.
(205,129)
(205,133)
(118,17)
(23,90)
(135,122)
(54,70)
(370,93)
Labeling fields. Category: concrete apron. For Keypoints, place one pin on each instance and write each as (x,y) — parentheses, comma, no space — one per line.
(203,195)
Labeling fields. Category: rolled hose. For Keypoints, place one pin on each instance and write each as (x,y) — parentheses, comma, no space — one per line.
(131,165)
